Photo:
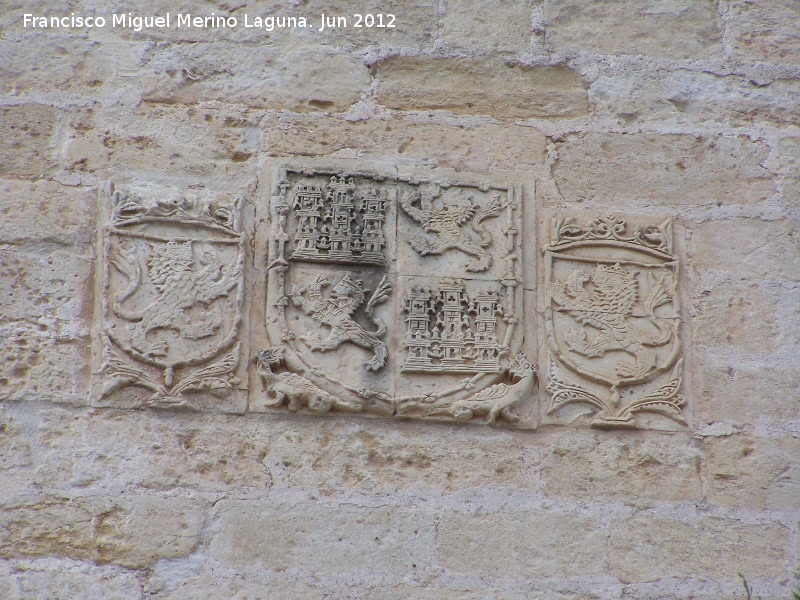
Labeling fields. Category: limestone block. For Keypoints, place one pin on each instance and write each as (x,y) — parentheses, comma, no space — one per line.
(47,526)
(27,134)
(748,248)
(308,79)
(8,586)
(480,87)
(214,588)
(489,26)
(134,532)
(479,148)
(592,466)
(676,28)
(640,92)
(765,31)
(250,536)
(90,582)
(163,138)
(37,62)
(166,452)
(47,203)
(382,458)
(753,472)
(522,545)
(759,318)
(44,322)
(786,157)
(415,23)
(56,448)
(138,532)
(666,170)
(747,393)
(648,548)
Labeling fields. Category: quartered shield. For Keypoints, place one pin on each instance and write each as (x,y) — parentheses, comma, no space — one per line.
(391,296)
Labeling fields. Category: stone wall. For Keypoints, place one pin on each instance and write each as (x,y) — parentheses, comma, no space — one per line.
(671,109)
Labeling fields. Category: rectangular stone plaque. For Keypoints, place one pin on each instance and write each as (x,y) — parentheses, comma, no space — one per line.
(169,300)
(612,314)
(397,296)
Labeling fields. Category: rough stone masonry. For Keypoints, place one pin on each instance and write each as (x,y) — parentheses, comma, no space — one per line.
(404,299)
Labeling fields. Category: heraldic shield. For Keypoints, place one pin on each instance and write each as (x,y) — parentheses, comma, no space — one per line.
(171,301)
(613,318)
(395,297)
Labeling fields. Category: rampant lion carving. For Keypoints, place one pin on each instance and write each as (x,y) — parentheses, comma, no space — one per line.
(448,223)
(176,274)
(337,311)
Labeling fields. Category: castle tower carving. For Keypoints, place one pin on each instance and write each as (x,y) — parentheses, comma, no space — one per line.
(446,331)
(334,225)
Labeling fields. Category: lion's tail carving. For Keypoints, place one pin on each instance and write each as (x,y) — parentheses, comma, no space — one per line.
(492,210)
(380,295)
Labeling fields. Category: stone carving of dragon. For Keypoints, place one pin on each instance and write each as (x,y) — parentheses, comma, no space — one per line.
(447,222)
(180,285)
(607,307)
(295,388)
(337,311)
(498,400)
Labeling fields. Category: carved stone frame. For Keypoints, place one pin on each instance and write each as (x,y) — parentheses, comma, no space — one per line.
(327,391)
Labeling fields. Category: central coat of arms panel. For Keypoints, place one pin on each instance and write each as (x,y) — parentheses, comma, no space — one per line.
(396,296)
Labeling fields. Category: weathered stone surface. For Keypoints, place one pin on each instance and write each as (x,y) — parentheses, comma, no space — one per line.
(753,472)
(480,87)
(162,138)
(196,453)
(264,78)
(641,93)
(748,248)
(150,450)
(36,365)
(662,169)
(27,142)
(70,64)
(591,466)
(8,586)
(757,318)
(747,393)
(140,531)
(647,548)
(786,157)
(765,31)
(133,532)
(473,25)
(43,322)
(677,28)
(48,202)
(522,545)
(381,458)
(255,535)
(213,588)
(84,581)
(479,148)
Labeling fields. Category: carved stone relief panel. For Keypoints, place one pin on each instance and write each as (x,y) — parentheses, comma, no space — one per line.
(394,296)
(612,313)
(169,301)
